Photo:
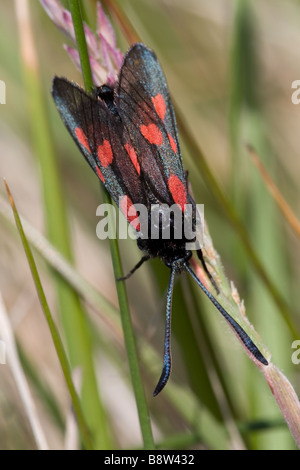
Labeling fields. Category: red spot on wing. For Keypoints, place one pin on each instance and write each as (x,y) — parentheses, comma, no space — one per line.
(159,105)
(133,157)
(178,191)
(130,212)
(172,143)
(82,139)
(99,173)
(152,134)
(105,153)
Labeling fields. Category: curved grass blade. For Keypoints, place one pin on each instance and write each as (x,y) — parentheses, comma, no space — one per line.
(52,327)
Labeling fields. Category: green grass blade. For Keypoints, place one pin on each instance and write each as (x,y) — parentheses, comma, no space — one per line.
(130,343)
(61,354)
(81,44)
(121,289)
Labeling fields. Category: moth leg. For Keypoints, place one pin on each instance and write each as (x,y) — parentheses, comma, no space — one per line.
(200,256)
(137,266)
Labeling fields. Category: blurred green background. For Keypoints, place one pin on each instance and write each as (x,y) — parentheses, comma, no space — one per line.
(230,66)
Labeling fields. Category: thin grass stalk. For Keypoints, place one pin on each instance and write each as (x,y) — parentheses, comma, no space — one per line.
(130,343)
(81,44)
(116,260)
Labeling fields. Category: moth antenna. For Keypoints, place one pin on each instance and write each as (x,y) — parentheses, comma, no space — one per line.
(137,266)
(167,343)
(246,340)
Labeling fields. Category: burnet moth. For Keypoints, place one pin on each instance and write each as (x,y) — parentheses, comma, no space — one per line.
(128,134)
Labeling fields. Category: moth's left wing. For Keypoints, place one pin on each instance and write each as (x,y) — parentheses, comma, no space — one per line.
(100,138)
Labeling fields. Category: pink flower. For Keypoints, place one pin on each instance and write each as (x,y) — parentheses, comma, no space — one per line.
(105,58)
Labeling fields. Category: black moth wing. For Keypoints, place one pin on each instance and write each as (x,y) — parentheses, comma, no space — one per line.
(100,136)
(145,108)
